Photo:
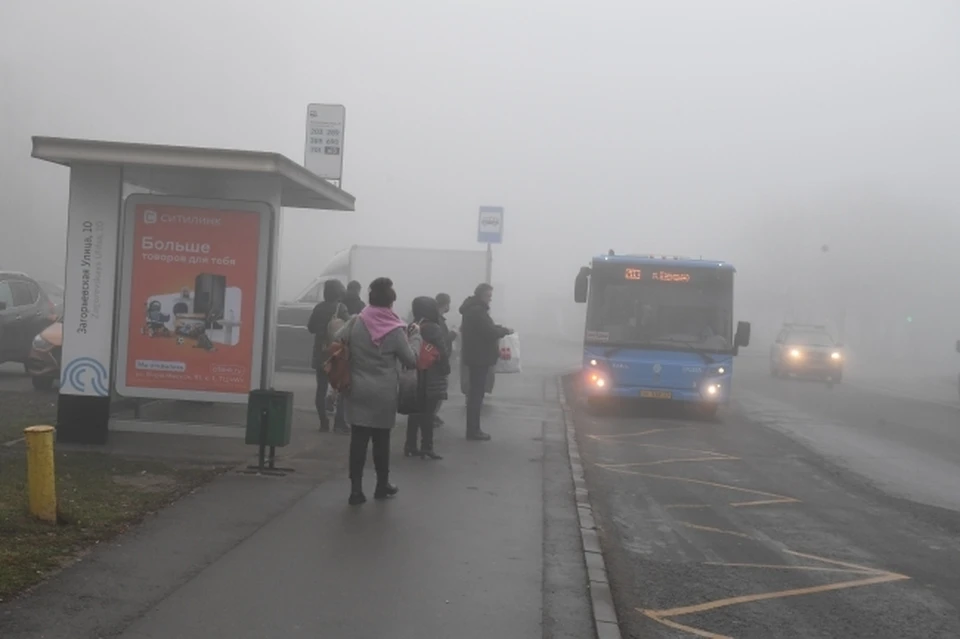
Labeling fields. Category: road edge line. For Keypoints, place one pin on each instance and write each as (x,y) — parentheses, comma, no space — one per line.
(605,621)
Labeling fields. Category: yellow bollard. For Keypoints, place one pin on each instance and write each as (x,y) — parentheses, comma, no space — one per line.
(41,479)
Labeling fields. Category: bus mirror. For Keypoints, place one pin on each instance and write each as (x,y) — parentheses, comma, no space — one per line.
(580,286)
(742,338)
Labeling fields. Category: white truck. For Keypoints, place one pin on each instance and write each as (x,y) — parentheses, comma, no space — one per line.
(414,271)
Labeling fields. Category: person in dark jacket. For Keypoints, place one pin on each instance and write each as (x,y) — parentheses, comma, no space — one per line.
(450,336)
(480,351)
(352,299)
(319,325)
(433,380)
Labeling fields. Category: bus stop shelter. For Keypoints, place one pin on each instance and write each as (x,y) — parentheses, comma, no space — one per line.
(171,272)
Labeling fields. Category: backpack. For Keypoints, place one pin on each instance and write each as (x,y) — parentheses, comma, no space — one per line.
(335,324)
(337,364)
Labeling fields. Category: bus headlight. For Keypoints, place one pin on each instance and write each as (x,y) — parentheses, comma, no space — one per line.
(795,353)
(712,389)
(835,356)
(596,379)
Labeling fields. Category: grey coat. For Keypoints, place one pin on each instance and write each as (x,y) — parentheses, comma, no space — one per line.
(374,374)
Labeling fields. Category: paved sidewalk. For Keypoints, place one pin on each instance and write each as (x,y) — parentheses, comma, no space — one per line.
(468,549)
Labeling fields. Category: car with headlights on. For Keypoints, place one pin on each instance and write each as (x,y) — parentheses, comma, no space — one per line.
(807,351)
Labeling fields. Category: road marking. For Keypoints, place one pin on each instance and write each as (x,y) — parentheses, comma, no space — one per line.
(875,577)
(686,450)
(715,530)
(773,497)
(641,433)
(679,626)
(787,567)
(685,506)
(677,459)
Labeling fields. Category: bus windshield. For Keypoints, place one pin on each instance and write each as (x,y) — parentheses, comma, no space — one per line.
(696,315)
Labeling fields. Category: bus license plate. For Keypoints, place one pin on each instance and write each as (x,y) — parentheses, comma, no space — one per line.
(656,394)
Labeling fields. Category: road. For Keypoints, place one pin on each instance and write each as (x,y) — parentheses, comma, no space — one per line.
(800,512)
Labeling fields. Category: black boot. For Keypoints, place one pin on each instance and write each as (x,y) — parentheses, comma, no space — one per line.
(385,490)
(356,492)
(324,424)
(429,454)
(478,436)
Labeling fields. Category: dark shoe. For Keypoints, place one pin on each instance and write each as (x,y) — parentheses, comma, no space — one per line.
(437,422)
(429,454)
(324,425)
(411,452)
(342,430)
(356,499)
(386,491)
(478,436)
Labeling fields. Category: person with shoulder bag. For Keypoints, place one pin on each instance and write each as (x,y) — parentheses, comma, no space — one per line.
(433,371)
(327,317)
(376,346)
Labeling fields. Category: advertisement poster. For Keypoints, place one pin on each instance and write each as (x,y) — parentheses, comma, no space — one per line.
(193,303)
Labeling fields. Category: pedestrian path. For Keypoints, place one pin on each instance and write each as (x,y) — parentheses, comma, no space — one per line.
(457,554)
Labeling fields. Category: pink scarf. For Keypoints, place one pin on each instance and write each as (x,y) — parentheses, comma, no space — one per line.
(379,322)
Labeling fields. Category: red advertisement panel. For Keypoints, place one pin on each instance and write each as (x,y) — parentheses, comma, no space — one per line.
(193,289)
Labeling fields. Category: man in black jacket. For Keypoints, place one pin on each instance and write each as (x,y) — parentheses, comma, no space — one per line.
(319,325)
(352,299)
(480,351)
(449,337)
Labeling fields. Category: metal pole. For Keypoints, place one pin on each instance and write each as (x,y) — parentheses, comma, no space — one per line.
(489,263)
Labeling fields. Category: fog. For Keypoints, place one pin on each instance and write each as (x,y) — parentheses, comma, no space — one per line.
(813,144)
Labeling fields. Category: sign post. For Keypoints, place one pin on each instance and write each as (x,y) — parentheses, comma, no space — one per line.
(490,232)
(323,150)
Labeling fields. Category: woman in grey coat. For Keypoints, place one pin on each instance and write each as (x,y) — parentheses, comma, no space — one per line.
(377,340)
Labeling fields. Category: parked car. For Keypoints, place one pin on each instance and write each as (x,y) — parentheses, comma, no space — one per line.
(43,365)
(807,350)
(25,310)
(54,294)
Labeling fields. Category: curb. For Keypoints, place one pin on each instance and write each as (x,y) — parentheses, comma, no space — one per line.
(605,620)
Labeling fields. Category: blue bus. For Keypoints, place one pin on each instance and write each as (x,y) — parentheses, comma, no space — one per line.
(659,328)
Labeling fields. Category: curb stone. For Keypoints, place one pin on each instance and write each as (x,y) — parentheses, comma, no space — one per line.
(605,620)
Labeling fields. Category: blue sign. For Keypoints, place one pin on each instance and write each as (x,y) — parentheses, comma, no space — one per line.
(490,225)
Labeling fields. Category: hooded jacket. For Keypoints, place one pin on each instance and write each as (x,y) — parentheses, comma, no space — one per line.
(320,320)
(353,303)
(480,335)
(426,313)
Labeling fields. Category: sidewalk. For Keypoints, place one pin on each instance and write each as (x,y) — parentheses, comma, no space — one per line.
(459,553)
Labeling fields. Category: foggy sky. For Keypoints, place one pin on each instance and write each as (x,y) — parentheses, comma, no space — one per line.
(695,128)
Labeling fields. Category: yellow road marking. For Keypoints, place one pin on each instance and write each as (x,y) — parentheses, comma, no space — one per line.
(714,530)
(779,594)
(686,450)
(679,626)
(671,461)
(641,433)
(845,564)
(679,506)
(848,571)
(876,577)
(773,497)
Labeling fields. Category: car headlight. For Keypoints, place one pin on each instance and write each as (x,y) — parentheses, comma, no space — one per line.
(40,344)
(835,356)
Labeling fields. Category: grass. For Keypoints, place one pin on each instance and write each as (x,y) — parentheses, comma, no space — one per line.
(21,409)
(99,497)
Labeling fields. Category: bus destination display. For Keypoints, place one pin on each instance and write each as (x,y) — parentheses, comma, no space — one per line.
(636,274)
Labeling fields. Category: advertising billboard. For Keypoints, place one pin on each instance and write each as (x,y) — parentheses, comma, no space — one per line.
(192,298)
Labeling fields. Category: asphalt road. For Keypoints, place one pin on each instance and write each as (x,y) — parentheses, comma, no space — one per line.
(799,512)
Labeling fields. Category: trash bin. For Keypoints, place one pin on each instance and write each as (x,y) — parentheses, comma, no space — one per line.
(279,413)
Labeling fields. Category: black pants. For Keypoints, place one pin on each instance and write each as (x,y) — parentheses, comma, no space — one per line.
(360,436)
(323,385)
(476,390)
(422,423)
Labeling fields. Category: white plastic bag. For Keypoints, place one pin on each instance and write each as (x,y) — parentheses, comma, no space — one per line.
(509,361)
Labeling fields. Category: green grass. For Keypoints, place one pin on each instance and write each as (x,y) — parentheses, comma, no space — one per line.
(99,496)
(21,409)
